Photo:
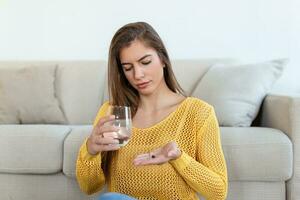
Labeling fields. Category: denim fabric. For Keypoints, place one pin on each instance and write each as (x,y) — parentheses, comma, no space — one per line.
(115,196)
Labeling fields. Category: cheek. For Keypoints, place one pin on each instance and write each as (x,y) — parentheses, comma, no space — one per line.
(158,72)
(129,77)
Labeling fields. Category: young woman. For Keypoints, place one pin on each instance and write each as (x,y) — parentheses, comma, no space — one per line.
(175,149)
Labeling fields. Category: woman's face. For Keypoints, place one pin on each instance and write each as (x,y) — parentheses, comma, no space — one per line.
(142,68)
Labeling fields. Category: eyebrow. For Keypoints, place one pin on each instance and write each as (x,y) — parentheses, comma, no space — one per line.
(145,56)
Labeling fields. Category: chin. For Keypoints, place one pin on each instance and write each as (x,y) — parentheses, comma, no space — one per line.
(146,92)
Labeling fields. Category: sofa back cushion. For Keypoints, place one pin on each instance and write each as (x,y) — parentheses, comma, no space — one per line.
(80,87)
(189,72)
(27,93)
(237,91)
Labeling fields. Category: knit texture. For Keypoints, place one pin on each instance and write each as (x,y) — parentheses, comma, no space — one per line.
(200,168)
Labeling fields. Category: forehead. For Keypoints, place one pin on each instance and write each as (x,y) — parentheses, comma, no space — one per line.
(135,51)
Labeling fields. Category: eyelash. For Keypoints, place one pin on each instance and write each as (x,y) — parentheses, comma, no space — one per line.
(144,63)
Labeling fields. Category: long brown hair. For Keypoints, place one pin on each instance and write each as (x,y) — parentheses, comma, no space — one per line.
(120,90)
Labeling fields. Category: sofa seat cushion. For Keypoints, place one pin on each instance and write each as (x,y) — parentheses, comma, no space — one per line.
(251,153)
(257,154)
(34,149)
(72,144)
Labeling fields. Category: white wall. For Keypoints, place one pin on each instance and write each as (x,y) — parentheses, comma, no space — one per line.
(250,30)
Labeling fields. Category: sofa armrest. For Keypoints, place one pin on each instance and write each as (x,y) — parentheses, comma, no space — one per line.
(282,111)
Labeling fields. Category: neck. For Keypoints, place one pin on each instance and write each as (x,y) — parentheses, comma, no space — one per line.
(157,100)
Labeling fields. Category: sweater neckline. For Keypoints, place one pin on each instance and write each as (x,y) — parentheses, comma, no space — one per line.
(164,119)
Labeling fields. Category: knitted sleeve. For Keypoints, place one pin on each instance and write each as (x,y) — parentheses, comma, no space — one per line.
(207,174)
(89,173)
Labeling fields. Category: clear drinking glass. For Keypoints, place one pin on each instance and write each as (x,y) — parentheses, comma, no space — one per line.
(123,121)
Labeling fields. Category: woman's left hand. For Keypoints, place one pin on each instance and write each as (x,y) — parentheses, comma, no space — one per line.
(161,155)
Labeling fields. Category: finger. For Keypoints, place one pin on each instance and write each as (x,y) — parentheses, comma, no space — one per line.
(171,145)
(104,129)
(106,140)
(172,153)
(149,155)
(104,120)
(174,144)
(155,152)
(110,135)
(137,162)
(151,161)
(101,130)
(142,156)
(147,158)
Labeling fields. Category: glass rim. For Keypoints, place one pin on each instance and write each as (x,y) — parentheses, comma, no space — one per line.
(118,106)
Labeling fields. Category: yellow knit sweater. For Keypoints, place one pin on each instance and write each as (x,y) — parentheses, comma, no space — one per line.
(200,168)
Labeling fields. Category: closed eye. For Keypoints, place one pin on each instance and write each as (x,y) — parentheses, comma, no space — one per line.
(127,69)
(146,62)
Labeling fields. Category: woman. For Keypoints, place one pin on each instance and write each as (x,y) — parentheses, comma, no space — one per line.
(175,149)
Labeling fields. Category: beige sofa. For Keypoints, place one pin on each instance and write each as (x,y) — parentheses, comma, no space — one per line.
(38,149)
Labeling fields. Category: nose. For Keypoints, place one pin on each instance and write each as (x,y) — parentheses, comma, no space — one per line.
(138,72)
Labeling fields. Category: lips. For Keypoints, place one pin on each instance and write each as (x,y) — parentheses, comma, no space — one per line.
(143,85)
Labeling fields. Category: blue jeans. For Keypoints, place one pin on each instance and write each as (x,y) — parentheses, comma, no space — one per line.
(115,196)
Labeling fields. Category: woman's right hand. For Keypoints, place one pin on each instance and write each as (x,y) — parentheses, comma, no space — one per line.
(103,137)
